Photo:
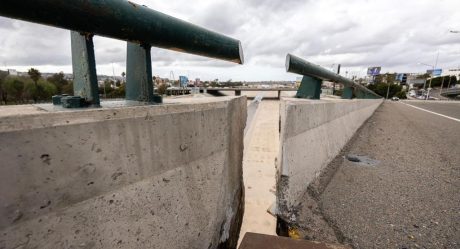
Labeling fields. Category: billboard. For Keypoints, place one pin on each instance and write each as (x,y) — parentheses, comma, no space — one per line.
(373,71)
(435,72)
(183,81)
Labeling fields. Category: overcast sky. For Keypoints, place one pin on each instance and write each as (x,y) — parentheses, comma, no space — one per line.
(394,34)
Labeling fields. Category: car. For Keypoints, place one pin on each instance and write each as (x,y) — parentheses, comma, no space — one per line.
(395,99)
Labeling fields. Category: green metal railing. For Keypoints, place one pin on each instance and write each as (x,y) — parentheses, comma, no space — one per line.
(313,76)
(119,19)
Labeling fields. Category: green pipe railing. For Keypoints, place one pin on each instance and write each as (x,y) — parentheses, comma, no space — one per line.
(123,20)
(313,76)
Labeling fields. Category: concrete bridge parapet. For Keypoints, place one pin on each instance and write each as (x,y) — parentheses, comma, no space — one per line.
(166,176)
(312,133)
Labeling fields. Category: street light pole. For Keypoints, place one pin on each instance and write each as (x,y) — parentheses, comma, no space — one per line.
(388,90)
(450,78)
(432,71)
(442,85)
(435,65)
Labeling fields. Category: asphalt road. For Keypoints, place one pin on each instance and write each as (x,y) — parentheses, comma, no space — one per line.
(411,198)
(448,108)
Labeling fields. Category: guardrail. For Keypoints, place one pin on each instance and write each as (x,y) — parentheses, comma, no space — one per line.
(313,76)
(119,19)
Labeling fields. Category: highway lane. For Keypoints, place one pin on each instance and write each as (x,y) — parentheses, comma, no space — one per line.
(448,108)
(411,199)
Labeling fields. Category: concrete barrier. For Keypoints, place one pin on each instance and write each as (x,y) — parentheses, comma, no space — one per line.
(312,133)
(167,176)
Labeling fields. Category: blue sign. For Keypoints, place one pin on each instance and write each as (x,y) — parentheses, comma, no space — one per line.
(435,72)
(373,71)
(183,81)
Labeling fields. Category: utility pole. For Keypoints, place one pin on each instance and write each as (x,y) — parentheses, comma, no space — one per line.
(432,74)
(442,84)
(388,90)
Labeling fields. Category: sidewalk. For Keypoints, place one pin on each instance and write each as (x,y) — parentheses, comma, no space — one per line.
(261,149)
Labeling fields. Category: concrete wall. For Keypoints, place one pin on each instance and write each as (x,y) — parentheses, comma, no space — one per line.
(312,133)
(167,176)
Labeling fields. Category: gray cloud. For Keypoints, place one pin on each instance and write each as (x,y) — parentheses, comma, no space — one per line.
(358,33)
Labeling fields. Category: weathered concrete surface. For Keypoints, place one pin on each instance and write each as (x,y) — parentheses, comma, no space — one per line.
(312,133)
(412,198)
(167,176)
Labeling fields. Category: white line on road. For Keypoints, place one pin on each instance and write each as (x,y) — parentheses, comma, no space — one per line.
(442,115)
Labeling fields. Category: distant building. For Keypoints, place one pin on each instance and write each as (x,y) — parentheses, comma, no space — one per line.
(415,80)
(183,80)
(401,78)
(451,72)
(12,72)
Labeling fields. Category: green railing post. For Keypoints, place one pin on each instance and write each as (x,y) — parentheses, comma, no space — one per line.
(125,20)
(360,94)
(139,84)
(310,88)
(84,68)
(314,74)
(347,93)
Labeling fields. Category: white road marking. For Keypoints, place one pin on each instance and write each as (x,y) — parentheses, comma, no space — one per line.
(435,113)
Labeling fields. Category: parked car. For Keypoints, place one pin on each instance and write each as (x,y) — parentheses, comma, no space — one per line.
(395,99)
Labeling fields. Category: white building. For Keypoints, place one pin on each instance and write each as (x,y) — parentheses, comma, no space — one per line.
(12,72)
(451,72)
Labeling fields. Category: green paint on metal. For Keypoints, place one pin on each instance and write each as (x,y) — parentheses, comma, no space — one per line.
(73,102)
(158,99)
(124,20)
(297,65)
(310,88)
(84,68)
(347,93)
(360,95)
(139,84)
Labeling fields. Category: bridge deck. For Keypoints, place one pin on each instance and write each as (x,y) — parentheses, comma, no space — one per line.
(408,200)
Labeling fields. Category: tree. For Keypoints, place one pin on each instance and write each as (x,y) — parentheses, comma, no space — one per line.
(68,89)
(58,79)
(401,95)
(382,88)
(107,88)
(14,88)
(120,92)
(3,94)
(47,89)
(161,90)
(35,75)
(385,78)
